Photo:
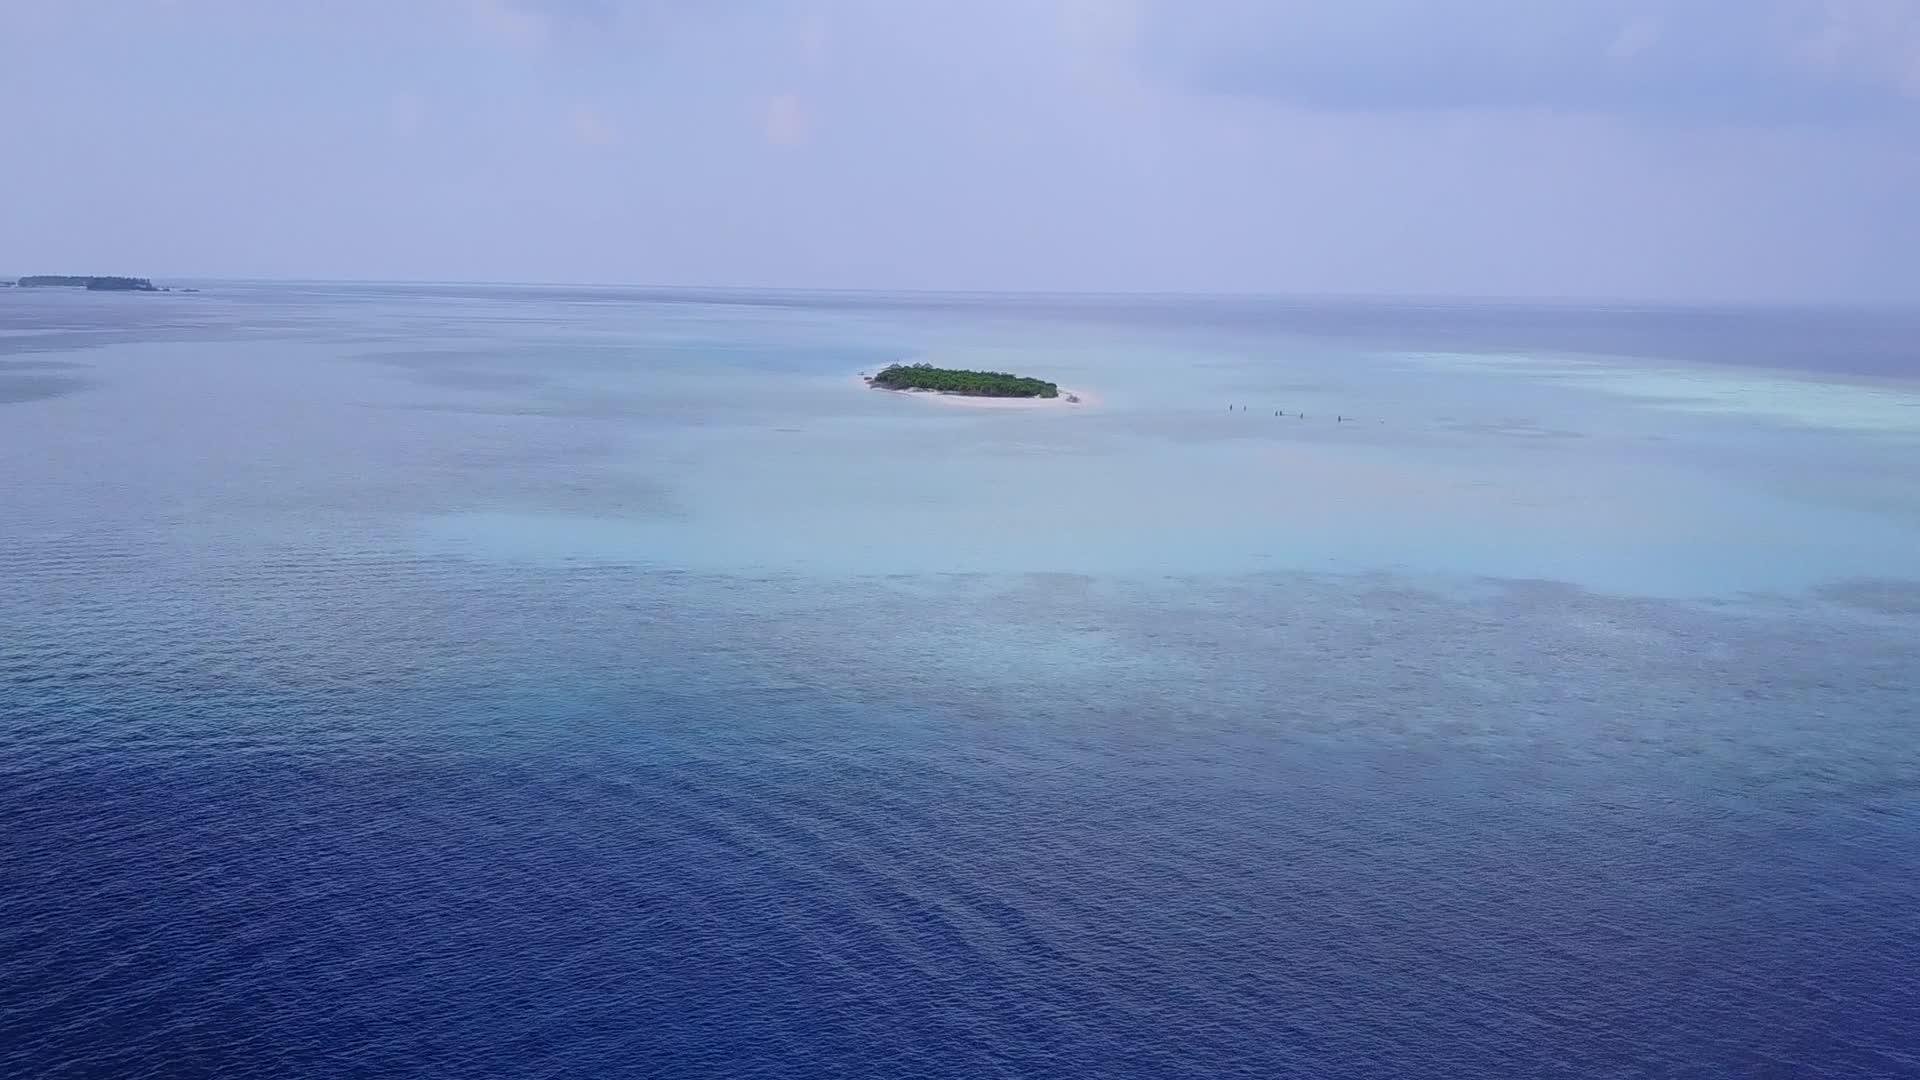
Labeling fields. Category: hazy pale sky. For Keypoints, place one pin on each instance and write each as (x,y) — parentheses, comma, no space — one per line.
(1664,149)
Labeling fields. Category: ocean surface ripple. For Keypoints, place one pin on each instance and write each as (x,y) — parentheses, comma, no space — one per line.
(299,779)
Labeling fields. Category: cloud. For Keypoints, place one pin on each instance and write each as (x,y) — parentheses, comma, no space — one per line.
(509,22)
(533,25)
(786,121)
(405,114)
(591,127)
(1743,61)
(1457,146)
(1637,36)
(811,40)
(1878,40)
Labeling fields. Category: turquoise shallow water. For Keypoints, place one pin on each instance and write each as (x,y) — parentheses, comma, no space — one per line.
(546,424)
(451,680)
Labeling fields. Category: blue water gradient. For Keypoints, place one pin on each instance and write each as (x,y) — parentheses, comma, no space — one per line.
(455,681)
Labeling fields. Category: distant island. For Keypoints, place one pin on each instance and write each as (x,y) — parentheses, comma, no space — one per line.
(997,384)
(98,284)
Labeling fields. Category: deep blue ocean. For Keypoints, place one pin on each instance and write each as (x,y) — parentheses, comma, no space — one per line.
(485,681)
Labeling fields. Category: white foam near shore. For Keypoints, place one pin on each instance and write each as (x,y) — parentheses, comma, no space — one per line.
(1067,399)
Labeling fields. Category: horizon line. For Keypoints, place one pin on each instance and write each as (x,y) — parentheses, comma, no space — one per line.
(1536,300)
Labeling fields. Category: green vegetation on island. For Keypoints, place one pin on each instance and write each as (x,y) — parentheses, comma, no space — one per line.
(956,381)
(99,284)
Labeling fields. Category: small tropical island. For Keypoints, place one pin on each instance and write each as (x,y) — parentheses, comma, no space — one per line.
(991,384)
(96,283)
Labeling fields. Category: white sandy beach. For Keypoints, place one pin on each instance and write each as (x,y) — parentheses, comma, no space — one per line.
(1068,400)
